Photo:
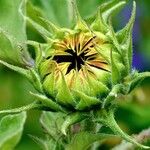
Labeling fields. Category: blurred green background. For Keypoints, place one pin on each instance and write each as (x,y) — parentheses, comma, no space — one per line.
(134,112)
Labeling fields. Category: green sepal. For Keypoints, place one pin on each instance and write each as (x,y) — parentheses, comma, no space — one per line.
(115,73)
(20,70)
(30,74)
(85,101)
(122,35)
(102,52)
(83,140)
(97,88)
(33,17)
(33,105)
(40,29)
(64,95)
(47,102)
(125,39)
(34,13)
(112,36)
(46,67)
(107,119)
(80,23)
(36,80)
(122,57)
(136,80)
(98,24)
(111,7)
(127,54)
(54,29)
(72,119)
(38,47)
(11,128)
(49,84)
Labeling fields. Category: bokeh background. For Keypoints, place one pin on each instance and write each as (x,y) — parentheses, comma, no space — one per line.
(134,112)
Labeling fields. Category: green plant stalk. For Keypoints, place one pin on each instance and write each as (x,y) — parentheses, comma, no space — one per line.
(107,118)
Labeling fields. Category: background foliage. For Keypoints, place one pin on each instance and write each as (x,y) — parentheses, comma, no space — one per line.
(133,115)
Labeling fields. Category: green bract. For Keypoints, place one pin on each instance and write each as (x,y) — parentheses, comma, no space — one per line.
(81,70)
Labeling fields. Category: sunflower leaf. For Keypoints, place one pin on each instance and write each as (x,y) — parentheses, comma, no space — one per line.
(11,128)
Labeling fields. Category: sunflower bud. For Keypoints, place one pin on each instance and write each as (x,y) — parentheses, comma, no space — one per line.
(85,66)
(81,65)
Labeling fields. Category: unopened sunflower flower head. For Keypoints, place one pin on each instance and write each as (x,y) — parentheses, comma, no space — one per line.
(78,68)
(81,65)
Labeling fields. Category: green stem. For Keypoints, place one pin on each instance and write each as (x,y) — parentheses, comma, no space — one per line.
(107,119)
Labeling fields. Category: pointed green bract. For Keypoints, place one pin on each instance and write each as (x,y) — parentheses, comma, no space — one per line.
(42,31)
(114,71)
(98,24)
(64,95)
(38,51)
(85,101)
(125,38)
(51,27)
(49,84)
(109,8)
(35,80)
(34,105)
(136,80)
(47,102)
(122,35)
(35,13)
(94,91)
(80,23)
(20,70)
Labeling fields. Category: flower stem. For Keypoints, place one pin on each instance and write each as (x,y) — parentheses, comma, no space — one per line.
(108,119)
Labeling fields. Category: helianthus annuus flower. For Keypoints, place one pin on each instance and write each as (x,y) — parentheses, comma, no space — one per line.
(77,64)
